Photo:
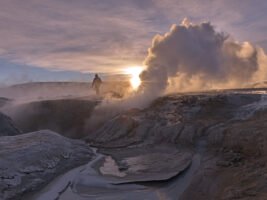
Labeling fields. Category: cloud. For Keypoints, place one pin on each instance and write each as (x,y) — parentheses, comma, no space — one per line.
(107,35)
(53,33)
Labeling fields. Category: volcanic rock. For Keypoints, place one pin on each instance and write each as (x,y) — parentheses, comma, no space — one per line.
(32,160)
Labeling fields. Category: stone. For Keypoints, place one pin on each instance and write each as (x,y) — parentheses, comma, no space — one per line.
(31,160)
(7,128)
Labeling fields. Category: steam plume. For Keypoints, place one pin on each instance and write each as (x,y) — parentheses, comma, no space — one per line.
(195,56)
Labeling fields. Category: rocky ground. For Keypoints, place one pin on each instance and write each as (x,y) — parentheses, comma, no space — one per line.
(227,130)
(183,146)
(29,161)
(7,127)
(65,116)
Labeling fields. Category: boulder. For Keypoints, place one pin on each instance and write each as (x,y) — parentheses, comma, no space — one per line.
(29,161)
(7,127)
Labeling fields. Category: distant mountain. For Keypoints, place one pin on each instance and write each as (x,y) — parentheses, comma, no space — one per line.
(43,90)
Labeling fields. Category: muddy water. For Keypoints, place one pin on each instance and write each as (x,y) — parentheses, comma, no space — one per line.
(68,186)
(74,185)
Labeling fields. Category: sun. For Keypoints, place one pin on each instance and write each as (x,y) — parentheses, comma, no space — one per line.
(134,72)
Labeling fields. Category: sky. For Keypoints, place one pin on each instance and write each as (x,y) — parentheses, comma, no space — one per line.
(61,40)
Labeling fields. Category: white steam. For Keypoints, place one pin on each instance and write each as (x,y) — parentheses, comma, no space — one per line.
(196,57)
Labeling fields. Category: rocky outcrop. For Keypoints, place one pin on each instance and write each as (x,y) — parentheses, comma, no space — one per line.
(172,119)
(113,131)
(196,146)
(7,127)
(226,130)
(67,117)
(32,160)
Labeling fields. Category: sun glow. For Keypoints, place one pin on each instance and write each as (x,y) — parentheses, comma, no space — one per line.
(134,72)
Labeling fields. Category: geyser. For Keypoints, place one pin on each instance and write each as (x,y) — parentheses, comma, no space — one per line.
(197,57)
